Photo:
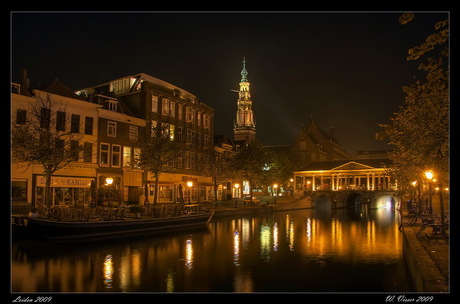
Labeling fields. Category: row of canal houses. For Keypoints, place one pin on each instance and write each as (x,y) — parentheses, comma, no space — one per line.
(106,120)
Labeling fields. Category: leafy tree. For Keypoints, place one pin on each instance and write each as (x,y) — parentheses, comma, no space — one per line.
(218,166)
(419,132)
(158,152)
(41,139)
(252,164)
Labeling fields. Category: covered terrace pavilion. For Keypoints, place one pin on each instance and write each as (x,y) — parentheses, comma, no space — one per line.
(336,175)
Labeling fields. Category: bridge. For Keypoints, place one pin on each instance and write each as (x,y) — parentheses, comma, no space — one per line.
(374,199)
(347,184)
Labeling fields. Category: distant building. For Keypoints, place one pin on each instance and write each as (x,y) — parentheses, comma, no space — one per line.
(244,129)
(314,144)
(370,154)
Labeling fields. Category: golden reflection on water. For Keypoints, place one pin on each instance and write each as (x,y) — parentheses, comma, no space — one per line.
(230,247)
(108,271)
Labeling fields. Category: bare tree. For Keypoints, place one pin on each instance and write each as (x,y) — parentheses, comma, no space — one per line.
(43,135)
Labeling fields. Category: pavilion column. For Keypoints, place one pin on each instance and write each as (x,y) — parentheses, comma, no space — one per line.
(332,182)
(373,181)
(313,183)
(368,184)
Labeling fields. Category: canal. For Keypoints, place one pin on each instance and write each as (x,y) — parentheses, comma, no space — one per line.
(291,251)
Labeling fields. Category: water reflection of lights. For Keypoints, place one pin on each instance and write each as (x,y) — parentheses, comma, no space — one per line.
(108,271)
(291,235)
(170,281)
(308,230)
(336,233)
(371,233)
(275,237)
(265,242)
(189,254)
(236,248)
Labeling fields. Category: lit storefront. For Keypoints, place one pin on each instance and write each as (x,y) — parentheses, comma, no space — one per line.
(65,190)
(178,188)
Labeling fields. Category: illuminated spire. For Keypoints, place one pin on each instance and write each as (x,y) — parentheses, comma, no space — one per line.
(245,126)
(244,73)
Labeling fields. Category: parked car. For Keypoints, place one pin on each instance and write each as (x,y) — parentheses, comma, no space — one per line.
(255,200)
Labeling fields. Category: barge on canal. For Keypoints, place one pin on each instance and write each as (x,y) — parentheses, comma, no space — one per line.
(62,229)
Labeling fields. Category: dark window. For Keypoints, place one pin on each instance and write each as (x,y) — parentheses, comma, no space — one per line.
(75,123)
(88,152)
(60,121)
(74,150)
(21,117)
(89,125)
(19,191)
(45,115)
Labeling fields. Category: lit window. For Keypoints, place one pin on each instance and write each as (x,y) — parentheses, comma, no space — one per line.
(154,103)
(165,106)
(126,156)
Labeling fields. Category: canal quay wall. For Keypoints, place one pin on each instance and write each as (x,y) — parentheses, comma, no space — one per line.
(427,260)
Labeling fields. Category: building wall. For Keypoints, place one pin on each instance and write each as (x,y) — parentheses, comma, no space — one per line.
(71,182)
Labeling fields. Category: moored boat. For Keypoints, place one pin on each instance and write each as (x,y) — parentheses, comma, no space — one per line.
(69,230)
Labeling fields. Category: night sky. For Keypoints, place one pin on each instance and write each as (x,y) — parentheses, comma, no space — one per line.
(344,69)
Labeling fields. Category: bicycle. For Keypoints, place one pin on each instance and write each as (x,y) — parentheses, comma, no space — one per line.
(414,215)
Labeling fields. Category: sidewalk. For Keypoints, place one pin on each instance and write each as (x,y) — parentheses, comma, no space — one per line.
(427,258)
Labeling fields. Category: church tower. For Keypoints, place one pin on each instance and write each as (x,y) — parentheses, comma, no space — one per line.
(244,128)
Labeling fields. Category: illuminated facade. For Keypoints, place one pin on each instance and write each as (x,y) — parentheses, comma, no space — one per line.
(336,175)
(77,122)
(190,122)
(244,127)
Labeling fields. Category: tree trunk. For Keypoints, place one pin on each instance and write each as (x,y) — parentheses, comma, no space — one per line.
(215,191)
(443,220)
(155,194)
(47,199)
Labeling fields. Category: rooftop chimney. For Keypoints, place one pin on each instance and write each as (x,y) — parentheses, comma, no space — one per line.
(25,82)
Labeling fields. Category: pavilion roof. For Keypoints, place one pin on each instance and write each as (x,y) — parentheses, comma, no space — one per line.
(333,164)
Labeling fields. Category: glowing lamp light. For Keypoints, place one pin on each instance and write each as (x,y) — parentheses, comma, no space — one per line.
(189,184)
(429,175)
(236,186)
(109,181)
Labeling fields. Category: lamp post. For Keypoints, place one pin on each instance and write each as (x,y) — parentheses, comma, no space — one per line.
(429,176)
(275,186)
(441,202)
(189,185)
(237,186)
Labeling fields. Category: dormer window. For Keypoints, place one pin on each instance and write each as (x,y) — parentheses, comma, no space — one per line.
(112,105)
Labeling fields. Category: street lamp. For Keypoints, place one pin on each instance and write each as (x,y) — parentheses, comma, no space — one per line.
(275,186)
(109,181)
(189,185)
(429,175)
(237,186)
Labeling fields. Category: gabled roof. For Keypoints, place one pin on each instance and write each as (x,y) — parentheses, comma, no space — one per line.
(342,164)
(58,88)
